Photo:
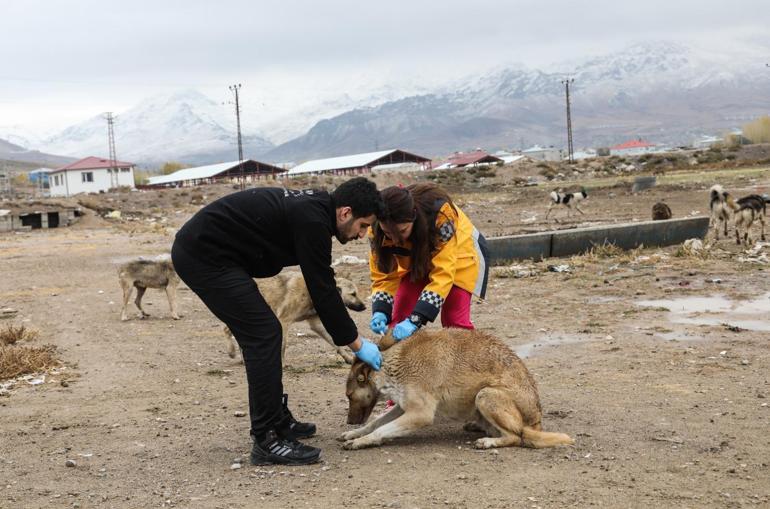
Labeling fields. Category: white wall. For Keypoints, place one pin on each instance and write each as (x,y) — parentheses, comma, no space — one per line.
(101,181)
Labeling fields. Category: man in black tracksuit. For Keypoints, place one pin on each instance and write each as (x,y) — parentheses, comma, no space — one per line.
(254,234)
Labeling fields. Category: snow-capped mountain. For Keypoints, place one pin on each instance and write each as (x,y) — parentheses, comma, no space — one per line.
(666,92)
(185,126)
(662,91)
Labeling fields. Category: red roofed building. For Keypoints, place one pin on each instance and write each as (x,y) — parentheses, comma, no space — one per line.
(90,175)
(632,147)
(462,159)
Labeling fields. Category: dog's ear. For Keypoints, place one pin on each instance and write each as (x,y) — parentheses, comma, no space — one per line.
(386,341)
(362,372)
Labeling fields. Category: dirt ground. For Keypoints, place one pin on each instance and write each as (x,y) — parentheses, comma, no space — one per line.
(668,408)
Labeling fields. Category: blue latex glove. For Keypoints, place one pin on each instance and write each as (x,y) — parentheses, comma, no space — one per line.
(379,323)
(370,354)
(403,330)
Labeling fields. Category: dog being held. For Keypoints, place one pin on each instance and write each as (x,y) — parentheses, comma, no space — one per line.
(569,200)
(145,273)
(462,374)
(750,208)
(288,297)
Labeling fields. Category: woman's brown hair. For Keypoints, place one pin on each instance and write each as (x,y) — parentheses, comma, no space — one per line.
(419,203)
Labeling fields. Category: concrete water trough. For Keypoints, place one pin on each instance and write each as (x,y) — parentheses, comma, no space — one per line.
(579,240)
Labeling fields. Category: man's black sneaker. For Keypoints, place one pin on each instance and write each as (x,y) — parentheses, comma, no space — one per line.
(294,429)
(276,450)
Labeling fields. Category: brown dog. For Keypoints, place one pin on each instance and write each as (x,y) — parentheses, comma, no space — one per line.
(288,297)
(148,273)
(462,374)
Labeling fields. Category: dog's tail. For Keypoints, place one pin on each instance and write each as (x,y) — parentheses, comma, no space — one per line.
(541,439)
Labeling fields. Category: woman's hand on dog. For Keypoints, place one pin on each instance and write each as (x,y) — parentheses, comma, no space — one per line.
(404,329)
(379,323)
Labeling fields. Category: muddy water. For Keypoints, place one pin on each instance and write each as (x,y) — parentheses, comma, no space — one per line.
(547,341)
(717,309)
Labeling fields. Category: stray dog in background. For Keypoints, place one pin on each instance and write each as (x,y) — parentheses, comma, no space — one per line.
(661,212)
(462,374)
(144,273)
(722,206)
(569,200)
(288,297)
(750,208)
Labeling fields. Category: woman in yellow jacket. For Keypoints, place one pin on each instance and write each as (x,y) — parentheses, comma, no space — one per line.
(426,256)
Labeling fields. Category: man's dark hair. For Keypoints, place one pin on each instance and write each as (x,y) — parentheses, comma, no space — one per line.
(361,195)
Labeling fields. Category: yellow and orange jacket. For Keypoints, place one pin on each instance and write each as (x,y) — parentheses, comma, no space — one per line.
(460,259)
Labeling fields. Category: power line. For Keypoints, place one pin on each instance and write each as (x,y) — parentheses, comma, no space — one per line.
(570,147)
(235,89)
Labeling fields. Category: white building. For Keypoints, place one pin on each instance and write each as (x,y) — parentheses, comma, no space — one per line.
(221,172)
(359,163)
(90,175)
(543,153)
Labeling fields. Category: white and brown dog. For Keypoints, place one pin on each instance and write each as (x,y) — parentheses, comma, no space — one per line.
(722,206)
(569,200)
(466,375)
(288,297)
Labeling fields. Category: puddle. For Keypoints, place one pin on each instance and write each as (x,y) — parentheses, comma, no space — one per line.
(535,347)
(716,310)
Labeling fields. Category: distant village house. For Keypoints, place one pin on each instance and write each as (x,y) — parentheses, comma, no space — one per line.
(90,175)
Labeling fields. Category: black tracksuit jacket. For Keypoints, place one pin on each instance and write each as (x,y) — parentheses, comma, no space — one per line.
(264,230)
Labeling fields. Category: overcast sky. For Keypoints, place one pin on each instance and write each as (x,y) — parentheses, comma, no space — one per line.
(65,61)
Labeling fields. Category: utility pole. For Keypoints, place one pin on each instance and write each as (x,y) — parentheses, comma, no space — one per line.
(114,183)
(235,89)
(570,147)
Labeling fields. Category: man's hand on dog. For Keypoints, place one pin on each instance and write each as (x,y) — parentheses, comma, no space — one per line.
(367,352)
(379,323)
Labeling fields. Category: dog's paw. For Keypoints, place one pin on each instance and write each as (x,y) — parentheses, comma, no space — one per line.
(347,436)
(176,317)
(485,443)
(352,445)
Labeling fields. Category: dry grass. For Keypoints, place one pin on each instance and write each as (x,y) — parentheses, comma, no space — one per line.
(17,359)
(12,335)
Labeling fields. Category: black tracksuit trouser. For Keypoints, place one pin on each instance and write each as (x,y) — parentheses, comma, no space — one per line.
(232,295)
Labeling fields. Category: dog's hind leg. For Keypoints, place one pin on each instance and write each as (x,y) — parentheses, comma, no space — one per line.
(138,301)
(498,407)
(127,289)
(422,415)
(317,327)
(171,294)
(480,425)
(725,219)
(578,209)
(382,420)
